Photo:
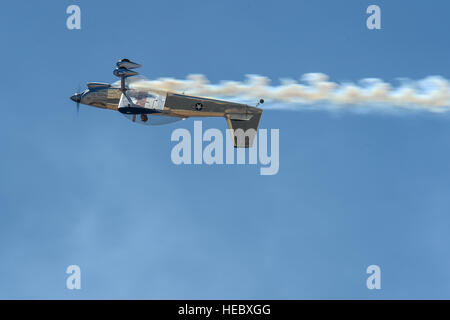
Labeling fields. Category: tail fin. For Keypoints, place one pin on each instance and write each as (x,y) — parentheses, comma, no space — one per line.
(243,127)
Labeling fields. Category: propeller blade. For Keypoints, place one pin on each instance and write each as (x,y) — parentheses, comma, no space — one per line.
(78,102)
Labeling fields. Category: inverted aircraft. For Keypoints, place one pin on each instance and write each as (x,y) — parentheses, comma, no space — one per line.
(154,106)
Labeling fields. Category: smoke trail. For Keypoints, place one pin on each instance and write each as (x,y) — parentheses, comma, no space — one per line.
(431,93)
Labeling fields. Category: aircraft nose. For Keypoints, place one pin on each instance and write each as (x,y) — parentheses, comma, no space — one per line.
(76,97)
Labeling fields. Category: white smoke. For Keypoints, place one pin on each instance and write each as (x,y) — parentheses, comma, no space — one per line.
(431,93)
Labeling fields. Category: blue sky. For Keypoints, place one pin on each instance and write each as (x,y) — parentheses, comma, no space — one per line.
(101,192)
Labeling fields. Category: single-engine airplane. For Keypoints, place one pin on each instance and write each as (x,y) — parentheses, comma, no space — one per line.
(152,107)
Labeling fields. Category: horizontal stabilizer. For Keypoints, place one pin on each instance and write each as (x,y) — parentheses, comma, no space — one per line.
(124,72)
(125,63)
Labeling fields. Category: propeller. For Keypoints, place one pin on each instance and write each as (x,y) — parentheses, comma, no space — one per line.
(78,101)
(77,98)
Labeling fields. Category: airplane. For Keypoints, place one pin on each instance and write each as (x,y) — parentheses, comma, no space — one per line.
(154,106)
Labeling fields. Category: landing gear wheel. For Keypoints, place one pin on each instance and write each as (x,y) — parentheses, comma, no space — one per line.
(144,118)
